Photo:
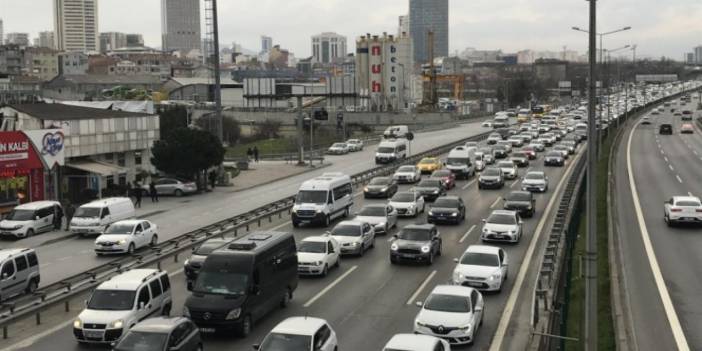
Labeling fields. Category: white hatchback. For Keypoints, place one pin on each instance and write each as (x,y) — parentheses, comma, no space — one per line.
(300,333)
(126,237)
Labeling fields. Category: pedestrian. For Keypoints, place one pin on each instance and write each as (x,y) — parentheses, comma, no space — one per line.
(137,194)
(153,192)
(213,179)
(58,217)
(70,210)
(249,154)
(255,152)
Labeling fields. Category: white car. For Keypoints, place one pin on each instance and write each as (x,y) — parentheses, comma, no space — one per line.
(338,149)
(407,174)
(550,137)
(494,138)
(317,254)
(516,141)
(381,216)
(126,237)
(535,181)
(509,169)
(682,209)
(416,342)
(407,203)
(300,333)
(486,124)
(481,267)
(451,312)
(540,147)
(355,237)
(502,225)
(355,144)
(507,144)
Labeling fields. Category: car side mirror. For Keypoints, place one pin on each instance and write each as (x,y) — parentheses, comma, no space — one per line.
(483,220)
(256,346)
(505,265)
(521,222)
(85,302)
(419,303)
(455,260)
(478,309)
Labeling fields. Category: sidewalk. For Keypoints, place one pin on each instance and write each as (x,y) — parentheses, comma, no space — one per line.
(261,173)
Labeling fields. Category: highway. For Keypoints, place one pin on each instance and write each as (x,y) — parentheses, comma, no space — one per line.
(661,265)
(367,299)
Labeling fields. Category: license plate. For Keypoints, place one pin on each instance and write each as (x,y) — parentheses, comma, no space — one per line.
(5,233)
(92,334)
(499,236)
(442,218)
(305,221)
(207,330)
(408,255)
(477,285)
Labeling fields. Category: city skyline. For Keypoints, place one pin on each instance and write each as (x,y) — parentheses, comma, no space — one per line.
(660,29)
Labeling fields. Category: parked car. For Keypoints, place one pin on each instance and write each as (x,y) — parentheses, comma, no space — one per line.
(481,267)
(382,217)
(30,218)
(317,254)
(502,225)
(447,209)
(172,186)
(300,334)
(451,312)
(162,334)
(447,178)
(338,149)
(126,237)
(382,187)
(407,203)
(522,202)
(407,174)
(354,144)
(355,237)
(416,243)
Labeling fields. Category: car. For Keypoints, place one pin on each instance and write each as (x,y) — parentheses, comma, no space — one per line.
(665,128)
(565,150)
(529,151)
(687,128)
(428,165)
(321,199)
(126,237)
(520,159)
(486,124)
(380,187)
(509,169)
(500,152)
(317,254)
(550,137)
(522,202)
(502,225)
(417,243)
(338,149)
(415,342)
(471,144)
(171,186)
(481,267)
(494,138)
(507,145)
(30,218)
(447,209)
(192,265)
(571,144)
(535,181)
(382,217)
(516,141)
(447,177)
(538,147)
(488,154)
(491,178)
(407,203)
(20,272)
(355,145)
(407,174)
(431,189)
(355,237)
(300,334)
(682,209)
(554,158)
(645,120)
(162,334)
(451,312)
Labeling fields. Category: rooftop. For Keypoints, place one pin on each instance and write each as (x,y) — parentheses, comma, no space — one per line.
(62,112)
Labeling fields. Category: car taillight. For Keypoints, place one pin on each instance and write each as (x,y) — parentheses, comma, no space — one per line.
(675,210)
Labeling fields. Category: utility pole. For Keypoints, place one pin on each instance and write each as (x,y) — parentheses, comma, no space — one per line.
(591,245)
(213,29)
(300,135)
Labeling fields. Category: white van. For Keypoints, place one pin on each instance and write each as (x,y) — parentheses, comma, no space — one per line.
(31,218)
(19,272)
(93,217)
(396,132)
(391,150)
(460,162)
(322,199)
(116,305)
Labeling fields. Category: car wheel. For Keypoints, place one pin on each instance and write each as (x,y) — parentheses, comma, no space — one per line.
(32,286)
(438,252)
(178,193)
(131,248)
(430,261)
(337,263)
(325,271)
(154,240)
(295,224)
(362,251)
(166,311)
(327,220)
(30,233)
(245,327)
(372,245)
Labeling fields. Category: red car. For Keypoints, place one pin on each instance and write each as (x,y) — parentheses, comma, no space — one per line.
(687,128)
(448,179)
(530,152)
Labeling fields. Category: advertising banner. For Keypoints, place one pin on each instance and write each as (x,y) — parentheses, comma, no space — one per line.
(50,145)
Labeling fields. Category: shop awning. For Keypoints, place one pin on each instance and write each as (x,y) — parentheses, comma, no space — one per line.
(95,167)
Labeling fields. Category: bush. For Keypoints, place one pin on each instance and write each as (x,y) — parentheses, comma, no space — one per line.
(268,129)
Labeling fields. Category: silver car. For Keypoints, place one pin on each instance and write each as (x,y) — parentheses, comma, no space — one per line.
(382,217)
(355,237)
(172,186)
(509,169)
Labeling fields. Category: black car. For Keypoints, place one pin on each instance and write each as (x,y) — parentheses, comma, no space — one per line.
(417,243)
(380,187)
(491,178)
(500,152)
(520,159)
(665,128)
(193,264)
(554,158)
(522,202)
(447,209)
(162,334)
(430,189)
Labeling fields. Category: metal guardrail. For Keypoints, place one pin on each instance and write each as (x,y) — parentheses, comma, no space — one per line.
(25,306)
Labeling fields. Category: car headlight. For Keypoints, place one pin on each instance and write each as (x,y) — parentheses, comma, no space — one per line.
(411,206)
(431,213)
(485,230)
(420,324)
(383,190)
(511,232)
(122,242)
(365,189)
(457,276)
(495,276)
(318,210)
(436,191)
(354,244)
(466,328)
(18,226)
(426,248)
(233,314)
(187,262)
(318,263)
(186,312)
(78,324)
(455,214)
(118,324)
(394,247)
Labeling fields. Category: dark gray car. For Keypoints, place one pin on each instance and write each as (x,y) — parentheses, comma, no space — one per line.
(162,334)
(430,189)
(522,202)
(417,243)
(380,187)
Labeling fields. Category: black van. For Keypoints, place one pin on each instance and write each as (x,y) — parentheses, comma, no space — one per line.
(665,128)
(240,283)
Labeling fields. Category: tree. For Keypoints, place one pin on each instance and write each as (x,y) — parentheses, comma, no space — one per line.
(231,129)
(268,129)
(172,118)
(187,152)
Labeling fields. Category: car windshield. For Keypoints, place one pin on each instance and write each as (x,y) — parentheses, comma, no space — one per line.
(415,234)
(339,145)
(221,282)
(554,154)
(446,203)
(346,230)
(501,218)
(519,155)
(286,342)
(687,203)
(534,176)
(428,161)
(403,197)
(505,164)
(372,211)
(480,259)
(429,183)
(519,196)
(406,169)
(87,212)
(379,181)
(119,229)
(447,303)
(311,197)
(500,148)
(111,300)
(312,247)
(142,341)
(491,172)
(457,161)
(386,150)
(20,215)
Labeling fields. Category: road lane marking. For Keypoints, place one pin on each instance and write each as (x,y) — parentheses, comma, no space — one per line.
(665,158)
(496,202)
(329,287)
(678,177)
(514,183)
(465,236)
(421,287)
(672,316)
(468,185)
(671,168)
(662,153)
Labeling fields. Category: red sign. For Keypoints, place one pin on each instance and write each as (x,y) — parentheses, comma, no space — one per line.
(17,153)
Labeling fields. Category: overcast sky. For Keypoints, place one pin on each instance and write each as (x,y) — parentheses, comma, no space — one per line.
(660,27)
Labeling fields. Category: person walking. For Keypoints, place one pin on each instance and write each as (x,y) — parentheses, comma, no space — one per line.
(255,152)
(70,210)
(58,217)
(137,194)
(213,179)
(152,192)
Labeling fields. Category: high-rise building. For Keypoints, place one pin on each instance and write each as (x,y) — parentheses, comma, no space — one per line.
(382,70)
(46,40)
(180,25)
(429,16)
(403,25)
(21,39)
(690,57)
(266,44)
(327,47)
(2,34)
(112,40)
(698,54)
(135,40)
(76,25)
